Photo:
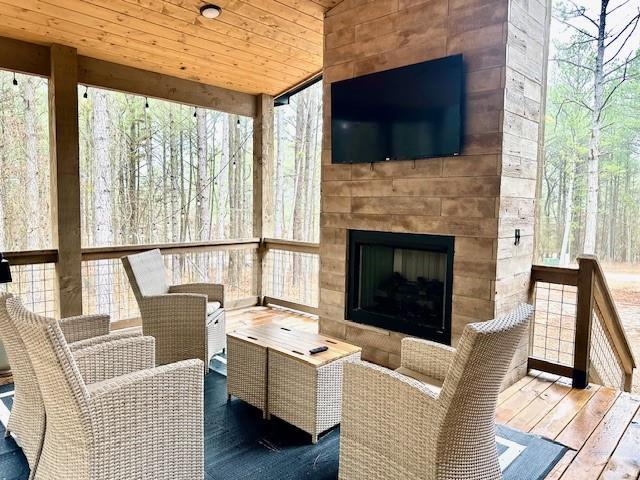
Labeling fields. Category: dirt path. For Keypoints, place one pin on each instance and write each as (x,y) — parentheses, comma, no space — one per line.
(624,281)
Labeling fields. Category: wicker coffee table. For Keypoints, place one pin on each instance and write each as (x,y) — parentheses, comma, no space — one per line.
(270,367)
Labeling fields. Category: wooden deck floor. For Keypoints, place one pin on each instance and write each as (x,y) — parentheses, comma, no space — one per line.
(599,424)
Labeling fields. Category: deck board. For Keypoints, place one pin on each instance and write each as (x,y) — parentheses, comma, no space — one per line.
(538,409)
(588,418)
(600,424)
(597,450)
(625,461)
(564,412)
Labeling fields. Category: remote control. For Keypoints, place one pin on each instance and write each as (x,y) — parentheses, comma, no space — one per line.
(318,350)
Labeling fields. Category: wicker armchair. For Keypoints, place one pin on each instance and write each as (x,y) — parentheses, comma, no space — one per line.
(141,425)
(100,355)
(187,321)
(396,427)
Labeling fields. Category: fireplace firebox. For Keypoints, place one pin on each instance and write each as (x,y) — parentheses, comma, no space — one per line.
(401,282)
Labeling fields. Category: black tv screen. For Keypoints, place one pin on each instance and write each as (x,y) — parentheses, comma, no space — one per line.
(407,113)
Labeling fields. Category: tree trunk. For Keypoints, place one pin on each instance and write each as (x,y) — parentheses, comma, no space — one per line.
(279,175)
(593,162)
(103,181)
(565,257)
(203,214)
(299,181)
(131,184)
(32,218)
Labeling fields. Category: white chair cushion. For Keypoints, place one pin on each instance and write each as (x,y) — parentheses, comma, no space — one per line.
(212,308)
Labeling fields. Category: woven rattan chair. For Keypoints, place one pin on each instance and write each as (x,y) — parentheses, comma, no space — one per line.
(396,427)
(147,424)
(187,321)
(98,359)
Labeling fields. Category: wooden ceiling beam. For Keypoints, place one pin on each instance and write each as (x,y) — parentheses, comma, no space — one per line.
(99,73)
(34,59)
(24,57)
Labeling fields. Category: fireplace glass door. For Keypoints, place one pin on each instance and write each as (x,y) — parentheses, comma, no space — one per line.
(400,287)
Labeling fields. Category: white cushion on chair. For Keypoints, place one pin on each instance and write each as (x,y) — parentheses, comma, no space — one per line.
(212,308)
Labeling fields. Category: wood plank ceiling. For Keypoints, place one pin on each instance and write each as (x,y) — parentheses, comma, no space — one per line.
(255,46)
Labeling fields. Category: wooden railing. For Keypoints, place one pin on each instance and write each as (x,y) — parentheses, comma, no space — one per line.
(272,267)
(577,331)
(291,274)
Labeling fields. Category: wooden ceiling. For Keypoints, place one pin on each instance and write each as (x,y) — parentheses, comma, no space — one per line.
(255,46)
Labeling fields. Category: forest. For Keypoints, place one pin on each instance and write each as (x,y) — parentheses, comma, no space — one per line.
(151,172)
(590,189)
(154,171)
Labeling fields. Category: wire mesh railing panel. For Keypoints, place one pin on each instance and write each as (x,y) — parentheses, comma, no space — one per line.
(35,286)
(605,362)
(554,323)
(292,276)
(235,269)
(106,288)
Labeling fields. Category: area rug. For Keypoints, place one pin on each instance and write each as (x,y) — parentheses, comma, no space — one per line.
(240,445)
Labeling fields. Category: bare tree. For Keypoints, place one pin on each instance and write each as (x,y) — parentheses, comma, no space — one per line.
(203,214)
(103,234)
(31,149)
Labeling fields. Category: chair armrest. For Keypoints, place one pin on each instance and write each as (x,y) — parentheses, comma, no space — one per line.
(117,335)
(213,291)
(115,358)
(82,327)
(156,415)
(386,418)
(173,308)
(426,357)
(178,376)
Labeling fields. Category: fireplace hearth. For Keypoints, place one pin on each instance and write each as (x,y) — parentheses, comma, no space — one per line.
(401,282)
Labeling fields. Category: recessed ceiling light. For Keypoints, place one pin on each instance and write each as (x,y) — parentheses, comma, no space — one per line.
(210,11)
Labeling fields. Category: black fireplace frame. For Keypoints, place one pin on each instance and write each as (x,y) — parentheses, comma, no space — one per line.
(433,243)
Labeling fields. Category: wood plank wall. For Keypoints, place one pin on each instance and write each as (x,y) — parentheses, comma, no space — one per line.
(458,196)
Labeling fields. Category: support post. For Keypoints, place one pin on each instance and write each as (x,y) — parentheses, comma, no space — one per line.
(65,178)
(584,316)
(263,206)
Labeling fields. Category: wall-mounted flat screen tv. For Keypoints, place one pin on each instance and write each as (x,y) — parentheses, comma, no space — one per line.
(407,113)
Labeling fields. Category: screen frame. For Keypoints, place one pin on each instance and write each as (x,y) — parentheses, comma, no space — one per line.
(455,60)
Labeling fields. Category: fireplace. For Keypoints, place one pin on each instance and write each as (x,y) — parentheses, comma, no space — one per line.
(401,282)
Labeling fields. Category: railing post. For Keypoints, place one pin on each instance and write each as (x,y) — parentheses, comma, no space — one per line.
(262,180)
(584,318)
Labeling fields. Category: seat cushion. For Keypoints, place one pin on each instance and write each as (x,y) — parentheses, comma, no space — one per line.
(432,383)
(212,308)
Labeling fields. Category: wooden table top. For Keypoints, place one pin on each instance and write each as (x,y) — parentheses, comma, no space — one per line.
(295,343)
